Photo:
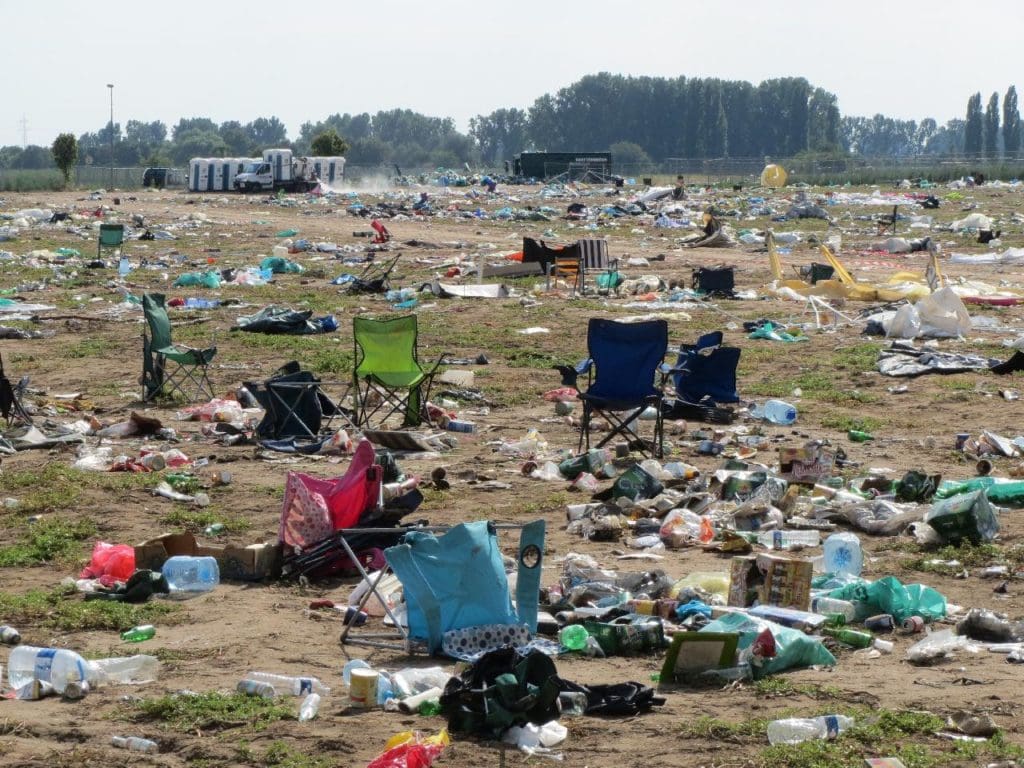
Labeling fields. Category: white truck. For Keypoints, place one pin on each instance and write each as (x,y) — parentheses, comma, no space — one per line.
(280,169)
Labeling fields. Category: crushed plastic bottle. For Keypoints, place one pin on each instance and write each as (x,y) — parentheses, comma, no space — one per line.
(798,729)
(135,744)
(309,708)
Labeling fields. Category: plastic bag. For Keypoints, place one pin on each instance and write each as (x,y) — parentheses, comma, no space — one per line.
(888,595)
(792,647)
(209,279)
(943,315)
(110,563)
(409,749)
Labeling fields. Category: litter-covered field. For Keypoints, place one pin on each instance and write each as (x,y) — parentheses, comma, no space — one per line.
(829,427)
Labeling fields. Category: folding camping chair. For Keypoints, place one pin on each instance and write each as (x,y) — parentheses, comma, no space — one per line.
(387,364)
(594,258)
(167,368)
(10,398)
(375,277)
(455,581)
(111,236)
(704,377)
(627,358)
(295,405)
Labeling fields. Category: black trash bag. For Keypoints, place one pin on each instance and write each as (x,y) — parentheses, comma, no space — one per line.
(615,700)
(503,688)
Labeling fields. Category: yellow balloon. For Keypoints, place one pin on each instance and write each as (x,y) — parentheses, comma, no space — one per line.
(773,176)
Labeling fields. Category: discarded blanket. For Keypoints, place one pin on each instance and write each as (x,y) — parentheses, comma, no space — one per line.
(902,359)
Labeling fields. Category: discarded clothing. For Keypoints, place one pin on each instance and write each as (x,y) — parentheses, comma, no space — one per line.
(279,320)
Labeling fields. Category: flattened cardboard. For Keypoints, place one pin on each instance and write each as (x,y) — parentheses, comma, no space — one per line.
(252,563)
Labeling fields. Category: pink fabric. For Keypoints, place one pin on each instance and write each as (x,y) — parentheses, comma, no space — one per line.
(314,507)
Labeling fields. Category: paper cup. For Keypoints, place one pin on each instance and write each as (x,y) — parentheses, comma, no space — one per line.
(362,691)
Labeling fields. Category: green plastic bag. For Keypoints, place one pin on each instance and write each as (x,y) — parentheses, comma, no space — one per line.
(609,280)
(888,595)
(768,331)
(209,279)
(793,648)
(281,266)
(287,233)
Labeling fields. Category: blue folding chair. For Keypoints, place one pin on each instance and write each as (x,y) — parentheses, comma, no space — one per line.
(706,371)
(624,362)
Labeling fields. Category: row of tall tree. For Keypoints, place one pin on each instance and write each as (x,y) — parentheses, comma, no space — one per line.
(639,118)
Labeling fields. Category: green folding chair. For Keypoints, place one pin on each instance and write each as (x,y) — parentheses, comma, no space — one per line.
(166,368)
(387,365)
(111,236)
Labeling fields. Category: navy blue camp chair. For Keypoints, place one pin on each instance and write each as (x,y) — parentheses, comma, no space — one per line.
(706,371)
(622,375)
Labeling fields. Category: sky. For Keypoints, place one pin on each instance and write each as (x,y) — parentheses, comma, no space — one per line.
(301,61)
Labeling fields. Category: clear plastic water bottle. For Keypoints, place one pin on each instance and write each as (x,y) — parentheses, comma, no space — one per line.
(309,708)
(256,688)
(797,729)
(830,605)
(56,666)
(789,539)
(573,703)
(135,744)
(296,686)
(187,574)
(779,412)
(843,554)
(127,669)
(124,266)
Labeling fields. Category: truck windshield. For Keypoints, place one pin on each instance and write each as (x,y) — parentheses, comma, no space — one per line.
(251,168)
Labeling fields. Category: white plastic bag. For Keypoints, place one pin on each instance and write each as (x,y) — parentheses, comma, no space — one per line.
(943,315)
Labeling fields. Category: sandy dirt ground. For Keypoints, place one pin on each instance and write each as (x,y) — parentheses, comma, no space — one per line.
(211,641)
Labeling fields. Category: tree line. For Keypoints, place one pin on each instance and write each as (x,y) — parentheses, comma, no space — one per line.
(641,119)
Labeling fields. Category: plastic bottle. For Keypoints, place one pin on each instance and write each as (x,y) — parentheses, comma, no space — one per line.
(216,529)
(187,574)
(779,412)
(574,637)
(843,554)
(49,665)
(296,686)
(573,703)
(797,729)
(256,688)
(309,708)
(139,633)
(828,606)
(126,669)
(789,539)
(124,266)
(346,672)
(9,635)
(135,744)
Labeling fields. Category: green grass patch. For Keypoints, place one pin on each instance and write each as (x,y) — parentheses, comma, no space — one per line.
(956,384)
(210,711)
(553,503)
(279,755)
(775,686)
(967,555)
(88,348)
(46,541)
(196,519)
(712,728)
(58,486)
(528,358)
(814,385)
(66,611)
(859,357)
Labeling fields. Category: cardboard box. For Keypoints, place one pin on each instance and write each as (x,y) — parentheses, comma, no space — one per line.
(252,563)
(806,465)
(770,580)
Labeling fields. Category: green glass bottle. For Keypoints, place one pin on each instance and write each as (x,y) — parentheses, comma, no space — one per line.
(850,637)
(139,633)
(859,436)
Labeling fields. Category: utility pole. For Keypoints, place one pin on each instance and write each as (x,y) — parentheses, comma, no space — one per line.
(24,131)
(111,87)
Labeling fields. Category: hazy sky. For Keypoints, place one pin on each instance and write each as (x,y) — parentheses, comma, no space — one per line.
(227,59)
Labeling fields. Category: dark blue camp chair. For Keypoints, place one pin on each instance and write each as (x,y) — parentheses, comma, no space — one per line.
(622,379)
(706,371)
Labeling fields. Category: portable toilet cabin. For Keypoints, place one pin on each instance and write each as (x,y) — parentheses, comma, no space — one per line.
(214,175)
(329,169)
(280,163)
(198,174)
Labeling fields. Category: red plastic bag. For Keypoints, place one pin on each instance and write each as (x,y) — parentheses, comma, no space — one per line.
(110,563)
(410,750)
